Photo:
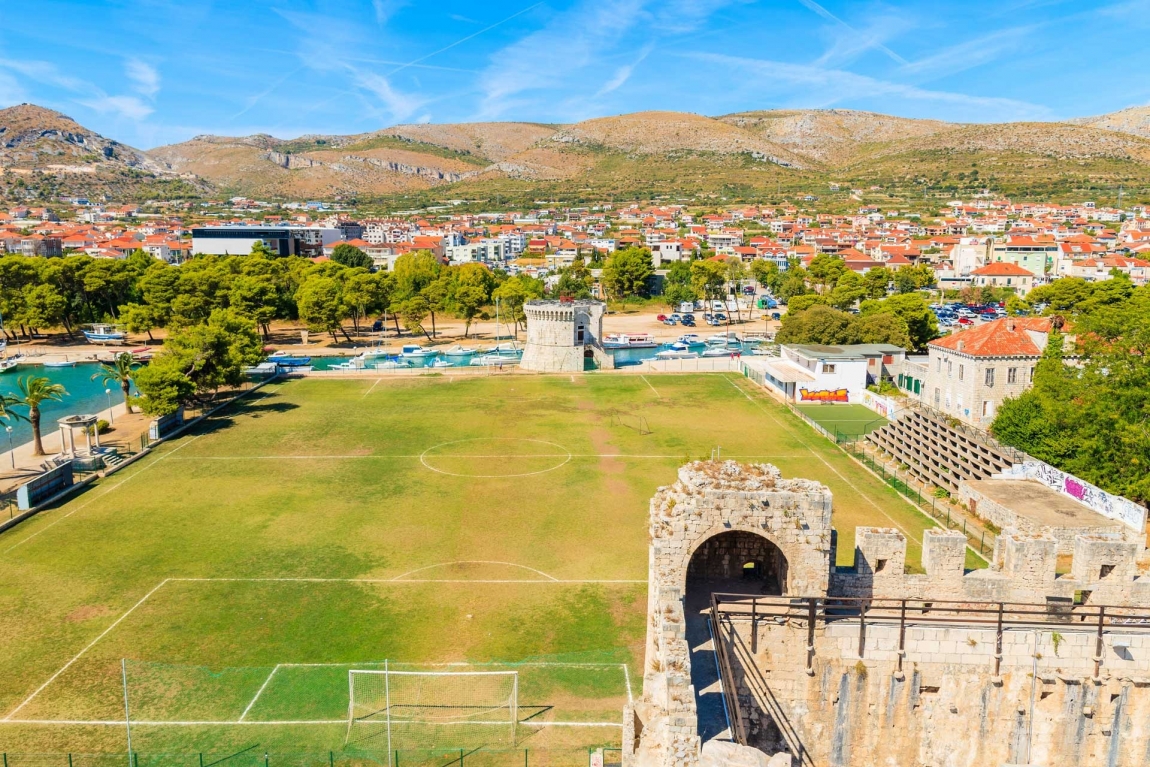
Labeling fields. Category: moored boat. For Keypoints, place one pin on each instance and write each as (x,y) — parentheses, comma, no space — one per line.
(284,360)
(629,341)
(415,350)
(460,351)
(101,333)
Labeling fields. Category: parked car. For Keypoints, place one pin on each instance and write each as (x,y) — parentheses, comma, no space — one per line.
(676,317)
(688,322)
(748,290)
(965,321)
(661,317)
(720,317)
(775,316)
(670,321)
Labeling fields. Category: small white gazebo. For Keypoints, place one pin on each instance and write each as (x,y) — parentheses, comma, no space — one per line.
(68,428)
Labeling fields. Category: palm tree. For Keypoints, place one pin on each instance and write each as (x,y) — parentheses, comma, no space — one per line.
(121,371)
(34,391)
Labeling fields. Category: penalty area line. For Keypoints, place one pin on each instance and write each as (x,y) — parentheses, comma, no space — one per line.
(87,647)
(257,723)
(259,692)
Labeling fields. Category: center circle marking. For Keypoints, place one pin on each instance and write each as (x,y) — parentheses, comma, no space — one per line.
(563,457)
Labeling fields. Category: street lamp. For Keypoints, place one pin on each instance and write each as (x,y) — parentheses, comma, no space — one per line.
(111,417)
(11,449)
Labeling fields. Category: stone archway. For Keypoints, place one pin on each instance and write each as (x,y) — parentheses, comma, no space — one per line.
(737,561)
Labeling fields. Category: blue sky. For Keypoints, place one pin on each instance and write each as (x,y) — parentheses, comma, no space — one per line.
(150,72)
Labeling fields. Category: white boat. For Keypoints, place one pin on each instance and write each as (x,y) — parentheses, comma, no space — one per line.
(355,363)
(441,364)
(376,352)
(459,351)
(730,337)
(391,364)
(509,349)
(676,354)
(629,341)
(691,339)
(64,363)
(488,360)
(100,333)
(8,364)
(719,351)
(416,351)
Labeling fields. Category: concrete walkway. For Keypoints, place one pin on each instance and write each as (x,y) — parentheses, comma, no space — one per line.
(19,465)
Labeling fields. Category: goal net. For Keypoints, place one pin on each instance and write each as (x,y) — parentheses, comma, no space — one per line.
(432,709)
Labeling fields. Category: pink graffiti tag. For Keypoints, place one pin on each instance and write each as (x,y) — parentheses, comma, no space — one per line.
(1075,488)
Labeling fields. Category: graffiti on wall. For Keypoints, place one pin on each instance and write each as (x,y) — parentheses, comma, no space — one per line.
(1110,506)
(824,395)
(885,406)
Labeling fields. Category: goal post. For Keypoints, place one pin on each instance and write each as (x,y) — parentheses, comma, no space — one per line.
(432,709)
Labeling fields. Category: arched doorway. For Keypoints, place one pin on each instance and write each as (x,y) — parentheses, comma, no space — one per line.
(731,562)
(738,562)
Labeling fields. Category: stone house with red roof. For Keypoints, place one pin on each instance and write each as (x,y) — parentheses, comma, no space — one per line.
(971,372)
(1003,274)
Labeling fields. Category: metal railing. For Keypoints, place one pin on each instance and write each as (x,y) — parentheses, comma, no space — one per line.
(726,675)
(810,611)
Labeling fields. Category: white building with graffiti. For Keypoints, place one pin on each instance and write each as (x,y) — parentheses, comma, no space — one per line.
(810,373)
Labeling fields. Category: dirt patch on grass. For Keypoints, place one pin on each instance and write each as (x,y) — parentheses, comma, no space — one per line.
(609,465)
(87,612)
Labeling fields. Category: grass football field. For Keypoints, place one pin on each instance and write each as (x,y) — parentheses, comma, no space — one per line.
(237,573)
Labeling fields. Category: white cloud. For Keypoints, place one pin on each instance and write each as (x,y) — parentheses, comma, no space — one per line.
(129,107)
(872,38)
(569,43)
(10,91)
(398,105)
(969,54)
(385,9)
(45,73)
(144,76)
(814,86)
(623,73)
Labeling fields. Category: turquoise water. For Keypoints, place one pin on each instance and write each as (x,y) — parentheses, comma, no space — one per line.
(84,396)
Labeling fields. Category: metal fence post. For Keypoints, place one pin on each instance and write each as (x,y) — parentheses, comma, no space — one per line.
(982,543)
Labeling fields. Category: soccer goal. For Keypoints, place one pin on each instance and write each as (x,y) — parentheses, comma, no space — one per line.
(432,709)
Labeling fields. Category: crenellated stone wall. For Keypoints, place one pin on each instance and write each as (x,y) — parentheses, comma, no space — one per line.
(925,693)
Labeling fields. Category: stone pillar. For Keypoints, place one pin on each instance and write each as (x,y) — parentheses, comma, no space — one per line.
(944,558)
(880,552)
(1103,559)
(1029,559)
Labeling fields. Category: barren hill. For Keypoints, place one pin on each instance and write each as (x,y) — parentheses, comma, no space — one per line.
(831,136)
(33,137)
(663,132)
(1059,141)
(640,154)
(1134,120)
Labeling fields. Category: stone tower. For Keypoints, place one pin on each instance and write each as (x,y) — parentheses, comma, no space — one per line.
(560,333)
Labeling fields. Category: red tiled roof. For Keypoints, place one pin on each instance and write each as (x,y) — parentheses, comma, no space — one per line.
(1003,269)
(1007,337)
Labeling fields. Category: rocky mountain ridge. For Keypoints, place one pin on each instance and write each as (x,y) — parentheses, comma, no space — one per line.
(749,149)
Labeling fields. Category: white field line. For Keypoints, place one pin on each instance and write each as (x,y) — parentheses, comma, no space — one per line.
(512,665)
(259,692)
(461,455)
(87,647)
(473,562)
(816,454)
(83,506)
(257,723)
(657,394)
(393,582)
(118,621)
(627,679)
(370,390)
